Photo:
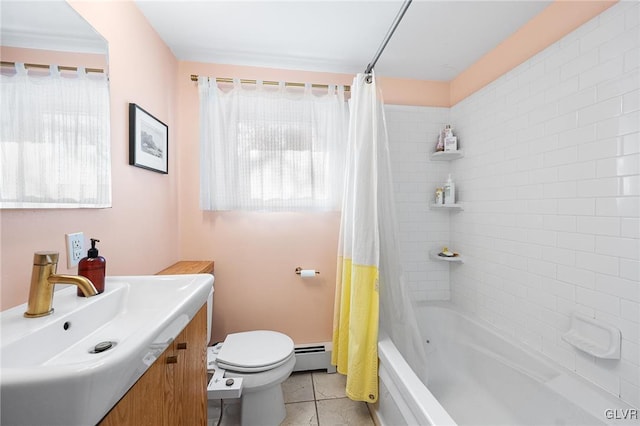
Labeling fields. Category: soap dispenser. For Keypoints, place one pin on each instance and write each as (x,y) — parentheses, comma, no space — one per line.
(93,267)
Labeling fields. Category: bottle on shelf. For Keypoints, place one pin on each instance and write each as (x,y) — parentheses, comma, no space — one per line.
(449,191)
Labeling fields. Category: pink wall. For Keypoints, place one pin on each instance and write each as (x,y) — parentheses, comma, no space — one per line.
(139,234)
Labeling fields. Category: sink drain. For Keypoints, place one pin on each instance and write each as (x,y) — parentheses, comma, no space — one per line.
(102,346)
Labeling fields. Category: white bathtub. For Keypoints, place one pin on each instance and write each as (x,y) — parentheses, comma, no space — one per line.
(477,377)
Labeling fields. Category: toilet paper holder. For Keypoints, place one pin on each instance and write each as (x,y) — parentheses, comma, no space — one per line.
(299,271)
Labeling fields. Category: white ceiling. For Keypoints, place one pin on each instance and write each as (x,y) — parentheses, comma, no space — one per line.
(436,40)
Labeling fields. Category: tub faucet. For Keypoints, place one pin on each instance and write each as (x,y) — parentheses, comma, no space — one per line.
(44,278)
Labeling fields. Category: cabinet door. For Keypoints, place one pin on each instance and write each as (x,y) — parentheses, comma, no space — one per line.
(191,374)
(144,404)
(172,391)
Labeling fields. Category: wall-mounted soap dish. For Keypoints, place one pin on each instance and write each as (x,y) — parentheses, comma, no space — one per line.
(593,337)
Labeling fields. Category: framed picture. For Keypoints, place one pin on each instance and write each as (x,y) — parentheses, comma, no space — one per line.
(148,141)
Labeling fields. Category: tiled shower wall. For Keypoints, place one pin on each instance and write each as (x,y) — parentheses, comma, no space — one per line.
(550,183)
(412,137)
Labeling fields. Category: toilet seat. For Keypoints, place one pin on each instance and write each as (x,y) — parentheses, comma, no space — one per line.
(255,351)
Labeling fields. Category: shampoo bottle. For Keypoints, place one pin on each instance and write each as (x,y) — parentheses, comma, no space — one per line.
(93,267)
(449,191)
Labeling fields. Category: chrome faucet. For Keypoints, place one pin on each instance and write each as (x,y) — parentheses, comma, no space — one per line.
(43,280)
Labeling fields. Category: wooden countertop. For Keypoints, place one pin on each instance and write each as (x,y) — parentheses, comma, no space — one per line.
(189,267)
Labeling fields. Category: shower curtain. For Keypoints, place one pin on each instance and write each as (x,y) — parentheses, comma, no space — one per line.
(370,287)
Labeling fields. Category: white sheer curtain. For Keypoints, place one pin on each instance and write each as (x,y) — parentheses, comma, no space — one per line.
(271,148)
(54,140)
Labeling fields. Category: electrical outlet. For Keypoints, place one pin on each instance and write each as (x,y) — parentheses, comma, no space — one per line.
(75,248)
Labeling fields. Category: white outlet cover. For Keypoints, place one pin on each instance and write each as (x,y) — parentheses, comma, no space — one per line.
(75,248)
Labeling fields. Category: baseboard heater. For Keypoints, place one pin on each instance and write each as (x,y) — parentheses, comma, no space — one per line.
(314,356)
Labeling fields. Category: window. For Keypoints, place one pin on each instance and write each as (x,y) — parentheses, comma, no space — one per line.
(54,141)
(271,148)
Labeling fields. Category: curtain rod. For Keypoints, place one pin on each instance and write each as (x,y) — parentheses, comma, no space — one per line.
(194,77)
(394,25)
(43,66)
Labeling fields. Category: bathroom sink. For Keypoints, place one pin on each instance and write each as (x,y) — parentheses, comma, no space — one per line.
(58,370)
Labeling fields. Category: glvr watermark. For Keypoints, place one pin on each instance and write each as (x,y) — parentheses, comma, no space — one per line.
(621,414)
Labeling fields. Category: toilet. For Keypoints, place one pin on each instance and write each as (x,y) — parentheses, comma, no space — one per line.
(263,359)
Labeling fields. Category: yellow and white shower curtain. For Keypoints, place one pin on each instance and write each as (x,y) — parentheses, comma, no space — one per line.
(356,310)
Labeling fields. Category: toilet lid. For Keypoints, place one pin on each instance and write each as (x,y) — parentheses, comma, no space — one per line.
(255,350)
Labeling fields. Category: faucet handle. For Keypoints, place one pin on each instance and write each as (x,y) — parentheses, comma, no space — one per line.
(45,258)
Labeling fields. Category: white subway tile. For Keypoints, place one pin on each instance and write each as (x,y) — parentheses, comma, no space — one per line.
(577,240)
(577,206)
(630,227)
(630,269)
(630,185)
(605,71)
(601,187)
(632,59)
(541,267)
(631,312)
(619,287)
(578,136)
(597,263)
(618,46)
(559,223)
(600,111)
(598,300)
(560,156)
(567,189)
(587,368)
(609,27)
(576,171)
(561,56)
(599,149)
(543,144)
(559,256)
(618,206)
(579,277)
(599,225)
(619,166)
(630,144)
(618,87)
(577,100)
(618,126)
(631,101)
(561,123)
(576,66)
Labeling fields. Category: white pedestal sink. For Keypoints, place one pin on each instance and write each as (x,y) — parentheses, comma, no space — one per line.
(51,373)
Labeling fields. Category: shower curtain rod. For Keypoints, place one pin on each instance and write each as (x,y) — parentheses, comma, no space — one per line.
(44,66)
(394,25)
(194,77)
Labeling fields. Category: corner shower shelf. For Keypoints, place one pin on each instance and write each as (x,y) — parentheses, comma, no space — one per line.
(593,337)
(456,206)
(455,259)
(447,155)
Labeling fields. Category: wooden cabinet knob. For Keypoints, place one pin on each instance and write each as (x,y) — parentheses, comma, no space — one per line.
(182,345)
(172,359)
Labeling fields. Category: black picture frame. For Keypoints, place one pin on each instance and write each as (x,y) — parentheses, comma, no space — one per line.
(148,141)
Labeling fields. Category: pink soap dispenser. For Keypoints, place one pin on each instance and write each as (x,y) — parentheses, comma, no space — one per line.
(93,267)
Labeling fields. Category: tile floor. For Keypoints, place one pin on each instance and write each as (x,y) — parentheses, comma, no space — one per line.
(311,398)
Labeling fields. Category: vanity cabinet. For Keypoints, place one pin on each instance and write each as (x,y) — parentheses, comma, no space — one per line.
(173,390)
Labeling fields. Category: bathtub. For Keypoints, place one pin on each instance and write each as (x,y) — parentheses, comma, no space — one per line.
(478,377)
